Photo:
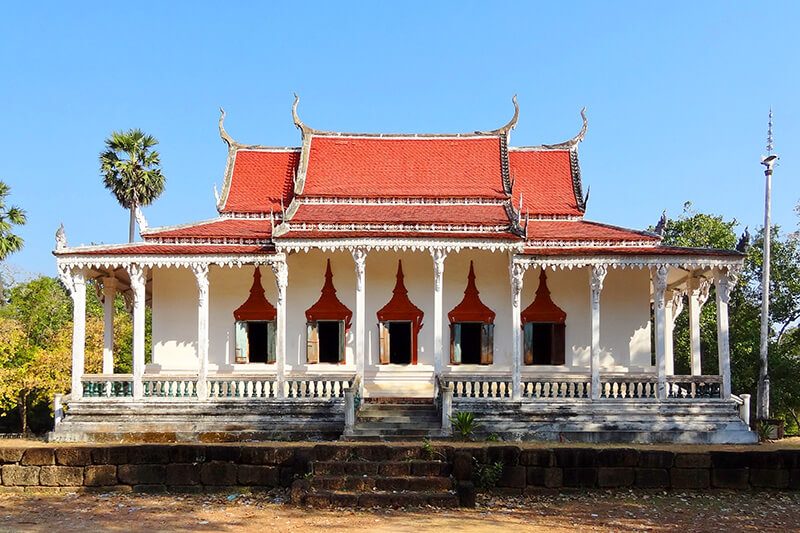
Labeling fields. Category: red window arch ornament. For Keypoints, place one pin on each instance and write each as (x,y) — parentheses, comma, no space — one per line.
(400,308)
(543,309)
(256,307)
(328,307)
(471,308)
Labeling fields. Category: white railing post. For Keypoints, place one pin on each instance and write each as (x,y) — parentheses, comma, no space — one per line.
(281,271)
(517,277)
(201,276)
(349,411)
(598,276)
(697,296)
(109,293)
(447,409)
(744,409)
(58,410)
(137,275)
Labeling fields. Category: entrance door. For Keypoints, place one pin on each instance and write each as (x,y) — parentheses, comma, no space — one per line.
(400,344)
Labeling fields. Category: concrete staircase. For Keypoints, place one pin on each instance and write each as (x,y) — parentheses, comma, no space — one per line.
(396,421)
(406,477)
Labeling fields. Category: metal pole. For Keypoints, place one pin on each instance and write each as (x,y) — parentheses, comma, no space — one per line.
(763,375)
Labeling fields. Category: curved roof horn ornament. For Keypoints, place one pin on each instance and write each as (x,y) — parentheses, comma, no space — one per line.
(568,145)
(224,134)
(296,118)
(505,130)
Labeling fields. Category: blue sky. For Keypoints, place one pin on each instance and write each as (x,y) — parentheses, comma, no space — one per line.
(677,96)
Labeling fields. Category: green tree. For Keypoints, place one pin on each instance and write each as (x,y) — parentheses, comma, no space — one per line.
(10,216)
(131,171)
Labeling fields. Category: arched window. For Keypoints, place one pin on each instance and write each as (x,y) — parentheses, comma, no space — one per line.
(399,322)
(255,326)
(544,326)
(471,328)
(327,321)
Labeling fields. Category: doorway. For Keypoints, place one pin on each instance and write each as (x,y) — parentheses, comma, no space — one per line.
(400,343)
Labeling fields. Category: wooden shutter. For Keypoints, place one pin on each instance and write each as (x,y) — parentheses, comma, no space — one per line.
(557,356)
(241,349)
(271,329)
(527,343)
(312,343)
(383,343)
(341,342)
(455,344)
(487,344)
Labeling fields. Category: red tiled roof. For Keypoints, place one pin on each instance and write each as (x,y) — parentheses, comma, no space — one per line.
(582,230)
(170,249)
(241,228)
(485,214)
(260,179)
(630,250)
(404,167)
(317,234)
(544,178)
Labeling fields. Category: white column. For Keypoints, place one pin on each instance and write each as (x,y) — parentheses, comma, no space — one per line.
(660,315)
(109,293)
(598,275)
(75,281)
(360,258)
(281,281)
(517,275)
(439,256)
(201,276)
(137,275)
(724,281)
(697,296)
(674,308)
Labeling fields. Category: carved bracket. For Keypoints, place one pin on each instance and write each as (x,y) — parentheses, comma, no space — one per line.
(598,277)
(439,255)
(360,258)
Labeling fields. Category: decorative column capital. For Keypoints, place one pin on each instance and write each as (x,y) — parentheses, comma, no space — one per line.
(659,284)
(698,288)
(137,275)
(725,280)
(73,279)
(598,278)
(439,256)
(360,258)
(200,271)
(517,276)
(674,299)
(281,271)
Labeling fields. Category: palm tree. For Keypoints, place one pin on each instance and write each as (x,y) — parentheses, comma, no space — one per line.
(131,171)
(9,216)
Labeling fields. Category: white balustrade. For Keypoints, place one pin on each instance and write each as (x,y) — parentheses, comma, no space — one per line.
(628,386)
(694,387)
(556,387)
(479,386)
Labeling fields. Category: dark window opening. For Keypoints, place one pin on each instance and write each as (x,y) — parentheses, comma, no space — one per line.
(258,341)
(329,342)
(544,344)
(400,343)
(470,343)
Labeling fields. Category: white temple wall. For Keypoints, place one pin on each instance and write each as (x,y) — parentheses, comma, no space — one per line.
(624,309)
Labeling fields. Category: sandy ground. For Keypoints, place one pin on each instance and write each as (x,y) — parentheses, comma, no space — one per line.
(685,512)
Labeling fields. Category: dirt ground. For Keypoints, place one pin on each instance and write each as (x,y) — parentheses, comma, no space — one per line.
(685,512)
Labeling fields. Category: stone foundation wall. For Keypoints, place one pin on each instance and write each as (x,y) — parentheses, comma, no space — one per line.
(195,468)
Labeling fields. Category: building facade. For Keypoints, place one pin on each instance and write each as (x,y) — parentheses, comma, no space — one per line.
(453,270)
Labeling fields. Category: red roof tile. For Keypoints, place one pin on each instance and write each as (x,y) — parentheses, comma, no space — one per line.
(630,250)
(403,167)
(316,234)
(582,230)
(240,228)
(485,214)
(544,179)
(260,179)
(170,249)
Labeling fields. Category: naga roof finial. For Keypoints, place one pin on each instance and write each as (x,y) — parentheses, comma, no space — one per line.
(296,118)
(222,133)
(505,130)
(572,143)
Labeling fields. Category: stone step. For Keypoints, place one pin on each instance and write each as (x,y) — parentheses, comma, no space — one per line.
(379,483)
(331,498)
(389,426)
(380,468)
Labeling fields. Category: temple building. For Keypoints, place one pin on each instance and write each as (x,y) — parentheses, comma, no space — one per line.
(370,285)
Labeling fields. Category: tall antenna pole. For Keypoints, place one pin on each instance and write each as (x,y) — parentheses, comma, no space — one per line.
(763,375)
